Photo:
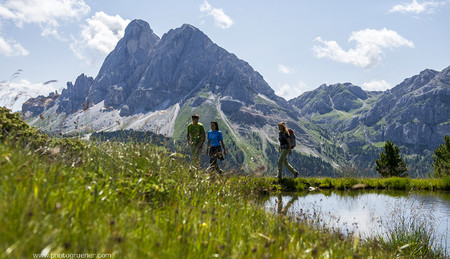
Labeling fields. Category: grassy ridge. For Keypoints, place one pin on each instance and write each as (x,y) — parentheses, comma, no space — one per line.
(140,200)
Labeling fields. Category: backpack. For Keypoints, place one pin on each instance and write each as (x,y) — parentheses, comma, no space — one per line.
(292,135)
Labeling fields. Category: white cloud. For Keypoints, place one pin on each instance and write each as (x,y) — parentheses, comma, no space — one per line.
(46,13)
(285,70)
(220,18)
(99,36)
(370,46)
(417,8)
(290,91)
(11,48)
(13,95)
(379,85)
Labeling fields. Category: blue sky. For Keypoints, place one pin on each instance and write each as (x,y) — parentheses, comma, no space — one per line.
(295,45)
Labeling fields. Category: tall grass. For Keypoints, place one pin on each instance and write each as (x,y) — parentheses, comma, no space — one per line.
(140,200)
(412,235)
(137,201)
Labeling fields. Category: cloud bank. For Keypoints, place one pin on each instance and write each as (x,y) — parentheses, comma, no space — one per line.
(99,36)
(288,91)
(370,47)
(221,20)
(417,8)
(379,85)
(11,48)
(285,70)
(46,13)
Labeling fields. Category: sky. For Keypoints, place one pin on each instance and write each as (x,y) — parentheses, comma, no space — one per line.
(295,45)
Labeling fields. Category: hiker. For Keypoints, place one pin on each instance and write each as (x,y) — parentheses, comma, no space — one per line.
(195,138)
(214,151)
(285,149)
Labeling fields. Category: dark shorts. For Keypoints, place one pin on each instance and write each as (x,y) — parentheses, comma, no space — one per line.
(214,150)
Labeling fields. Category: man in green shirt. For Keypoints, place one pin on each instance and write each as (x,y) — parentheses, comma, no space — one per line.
(196,137)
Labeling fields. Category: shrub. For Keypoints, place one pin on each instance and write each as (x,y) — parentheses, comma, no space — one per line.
(390,163)
(441,159)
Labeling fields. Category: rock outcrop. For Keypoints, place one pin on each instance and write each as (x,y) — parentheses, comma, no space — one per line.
(415,112)
(74,97)
(39,104)
(326,98)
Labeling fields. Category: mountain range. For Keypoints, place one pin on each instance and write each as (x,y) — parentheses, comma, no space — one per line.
(154,84)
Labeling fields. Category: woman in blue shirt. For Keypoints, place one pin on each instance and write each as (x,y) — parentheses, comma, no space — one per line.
(214,151)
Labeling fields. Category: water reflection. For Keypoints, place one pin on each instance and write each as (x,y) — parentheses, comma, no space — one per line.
(368,213)
(284,208)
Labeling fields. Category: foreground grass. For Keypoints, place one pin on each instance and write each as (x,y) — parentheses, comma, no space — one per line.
(139,201)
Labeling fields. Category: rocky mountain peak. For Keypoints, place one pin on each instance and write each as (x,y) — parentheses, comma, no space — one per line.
(325,98)
(124,66)
(186,37)
(413,83)
(444,76)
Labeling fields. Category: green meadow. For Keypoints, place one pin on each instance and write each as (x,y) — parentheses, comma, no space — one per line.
(70,196)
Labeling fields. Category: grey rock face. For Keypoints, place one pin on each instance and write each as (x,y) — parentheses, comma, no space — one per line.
(198,101)
(415,111)
(324,99)
(147,73)
(74,96)
(398,96)
(125,111)
(230,106)
(39,104)
(124,66)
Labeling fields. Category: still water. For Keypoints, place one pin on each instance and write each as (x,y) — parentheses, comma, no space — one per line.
(369,213)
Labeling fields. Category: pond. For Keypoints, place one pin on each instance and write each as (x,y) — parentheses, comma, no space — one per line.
(369,213)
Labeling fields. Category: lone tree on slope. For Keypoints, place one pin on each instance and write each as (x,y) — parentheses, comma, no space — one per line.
(390,163)
(441,159)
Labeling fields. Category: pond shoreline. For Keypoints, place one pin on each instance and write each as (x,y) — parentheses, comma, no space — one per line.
(393,183)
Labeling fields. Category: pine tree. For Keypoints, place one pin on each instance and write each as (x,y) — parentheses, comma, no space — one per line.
(441,159)
(390,163)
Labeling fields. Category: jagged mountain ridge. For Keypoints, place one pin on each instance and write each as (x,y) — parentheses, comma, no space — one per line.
(416,112)
(166,71)
(149,83)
